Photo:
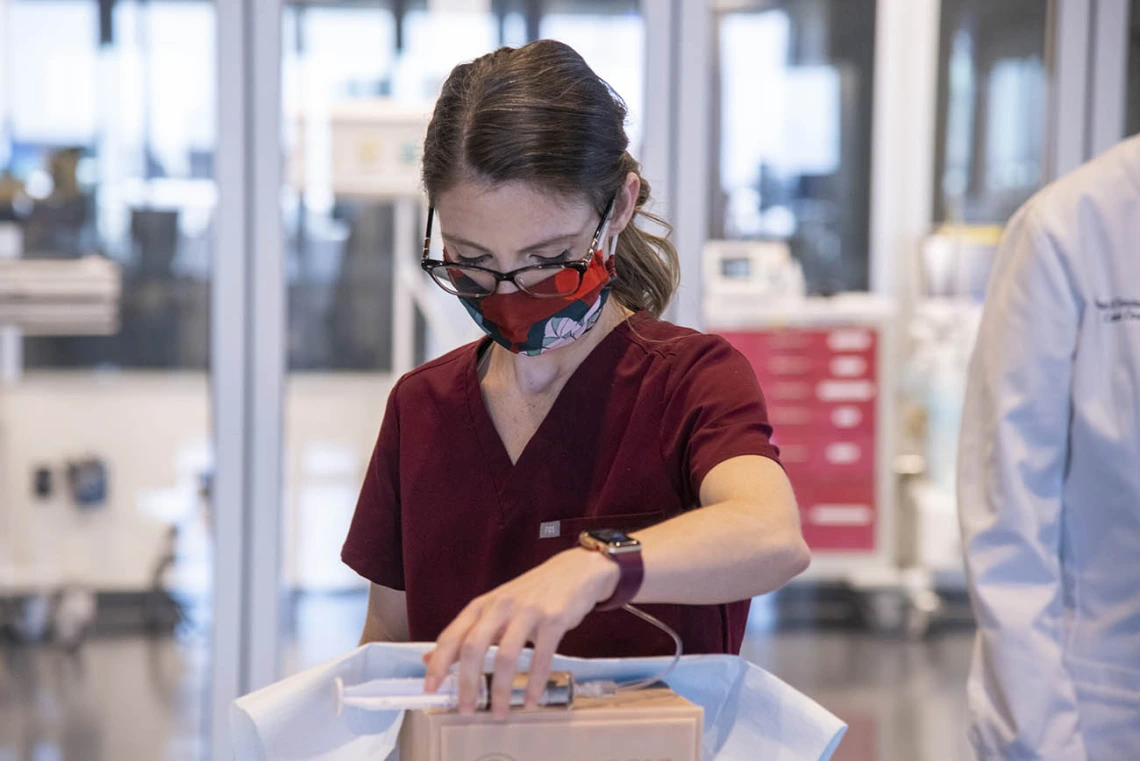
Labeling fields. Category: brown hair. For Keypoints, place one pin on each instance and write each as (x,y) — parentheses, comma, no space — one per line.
(539,114)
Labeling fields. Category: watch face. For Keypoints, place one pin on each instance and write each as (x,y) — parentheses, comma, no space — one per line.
(612,536)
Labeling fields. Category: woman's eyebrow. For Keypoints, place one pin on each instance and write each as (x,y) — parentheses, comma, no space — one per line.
(564,237)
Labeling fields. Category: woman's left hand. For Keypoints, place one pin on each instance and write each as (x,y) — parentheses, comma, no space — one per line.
(540,607)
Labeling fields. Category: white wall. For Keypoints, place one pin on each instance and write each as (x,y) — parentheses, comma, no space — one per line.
(153,430)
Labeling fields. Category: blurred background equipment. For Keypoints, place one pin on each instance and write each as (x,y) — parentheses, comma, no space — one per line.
(87,479)
(60,297)
(955,264)
(823,364)
(57,297)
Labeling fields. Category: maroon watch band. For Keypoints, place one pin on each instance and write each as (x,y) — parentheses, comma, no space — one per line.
(632,571)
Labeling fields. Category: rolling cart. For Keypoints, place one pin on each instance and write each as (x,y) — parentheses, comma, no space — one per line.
(827,370)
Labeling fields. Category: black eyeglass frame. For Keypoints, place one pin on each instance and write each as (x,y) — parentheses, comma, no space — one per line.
(427,264)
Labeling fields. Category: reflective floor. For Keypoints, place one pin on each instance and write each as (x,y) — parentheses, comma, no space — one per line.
(113,700)
(126,698)
(902,701)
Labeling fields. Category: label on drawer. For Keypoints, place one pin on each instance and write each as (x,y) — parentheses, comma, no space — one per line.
(843,453)
(841,515)
(849,366)
(852,339)
(846,417)
(846,391)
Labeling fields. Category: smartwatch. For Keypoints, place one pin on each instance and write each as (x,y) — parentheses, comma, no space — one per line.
(626,552)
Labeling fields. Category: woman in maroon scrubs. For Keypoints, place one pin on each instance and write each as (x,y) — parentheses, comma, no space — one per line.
(580,411)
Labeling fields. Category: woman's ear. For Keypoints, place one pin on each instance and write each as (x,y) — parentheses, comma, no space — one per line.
(625,205)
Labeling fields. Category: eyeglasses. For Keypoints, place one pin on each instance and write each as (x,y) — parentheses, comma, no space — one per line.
(551,280)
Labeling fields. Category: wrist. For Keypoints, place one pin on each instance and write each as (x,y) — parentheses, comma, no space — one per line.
(602,572)
(624,552)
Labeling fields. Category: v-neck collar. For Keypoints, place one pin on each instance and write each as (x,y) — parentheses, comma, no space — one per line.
(498,461)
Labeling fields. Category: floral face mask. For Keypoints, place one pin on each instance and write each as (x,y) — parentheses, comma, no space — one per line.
(530,325)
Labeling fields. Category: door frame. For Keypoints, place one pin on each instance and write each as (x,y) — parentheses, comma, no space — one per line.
(247,360)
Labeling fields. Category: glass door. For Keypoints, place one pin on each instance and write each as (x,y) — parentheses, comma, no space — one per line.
(107,209)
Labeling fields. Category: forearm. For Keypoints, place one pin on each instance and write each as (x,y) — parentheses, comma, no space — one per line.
(716,554)
(720,553)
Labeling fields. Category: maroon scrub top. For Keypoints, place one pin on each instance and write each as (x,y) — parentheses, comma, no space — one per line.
(444,515)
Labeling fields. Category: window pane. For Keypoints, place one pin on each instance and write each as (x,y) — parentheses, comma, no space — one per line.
(792,155)
(611,37)
(126,133)
(992,101)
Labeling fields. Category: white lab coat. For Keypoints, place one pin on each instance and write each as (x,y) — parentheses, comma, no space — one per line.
(1049,476)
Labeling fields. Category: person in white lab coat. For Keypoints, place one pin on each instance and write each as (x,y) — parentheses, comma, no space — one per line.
(1049,476)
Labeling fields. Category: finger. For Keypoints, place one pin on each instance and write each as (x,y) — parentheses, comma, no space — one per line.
(507,661)
(473,654)
(545,645)
(447,646)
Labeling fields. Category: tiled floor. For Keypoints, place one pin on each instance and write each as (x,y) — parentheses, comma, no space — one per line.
(135,698)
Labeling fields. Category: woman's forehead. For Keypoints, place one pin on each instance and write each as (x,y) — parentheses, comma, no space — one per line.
(510,214)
